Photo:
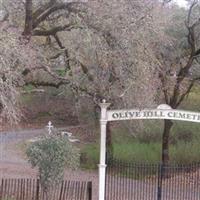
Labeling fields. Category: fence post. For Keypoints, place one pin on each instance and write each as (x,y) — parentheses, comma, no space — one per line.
(160,178)
(37,189)
(61,190)
(2,183)
(89,190)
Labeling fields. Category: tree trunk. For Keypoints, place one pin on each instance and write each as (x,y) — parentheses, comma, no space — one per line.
(109,145)
(96,115)
(165,141)
(29,18)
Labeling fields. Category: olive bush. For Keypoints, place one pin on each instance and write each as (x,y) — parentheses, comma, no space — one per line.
(51,155)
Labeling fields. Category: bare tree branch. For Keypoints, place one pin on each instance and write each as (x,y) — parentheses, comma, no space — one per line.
(29,18)
(54,30)
(70,7)
(183,95)
(183,72)
(42,9)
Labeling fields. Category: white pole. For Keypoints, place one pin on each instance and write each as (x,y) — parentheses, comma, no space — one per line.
(102,165)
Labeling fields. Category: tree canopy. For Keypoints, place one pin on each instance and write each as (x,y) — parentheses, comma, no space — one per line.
(133,53)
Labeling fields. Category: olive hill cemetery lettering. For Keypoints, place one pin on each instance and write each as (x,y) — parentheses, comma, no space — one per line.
(153,114)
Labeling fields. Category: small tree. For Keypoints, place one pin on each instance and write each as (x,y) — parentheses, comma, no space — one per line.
(51,155)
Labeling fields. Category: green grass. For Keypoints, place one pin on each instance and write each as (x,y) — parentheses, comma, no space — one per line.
(43,114)
(22,146)
(28,88)
(137,152)
(185,152)
(146,146)
(193,99)
(181,153)
(90,156)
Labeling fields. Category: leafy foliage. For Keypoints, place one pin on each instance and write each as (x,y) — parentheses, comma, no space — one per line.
(51,155)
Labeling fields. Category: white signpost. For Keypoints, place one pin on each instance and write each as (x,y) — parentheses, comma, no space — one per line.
(162,112)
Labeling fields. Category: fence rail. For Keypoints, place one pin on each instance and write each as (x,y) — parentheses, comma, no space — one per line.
(133,181)
(30,189)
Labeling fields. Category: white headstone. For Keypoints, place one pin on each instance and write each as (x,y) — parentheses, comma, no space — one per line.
(49,126)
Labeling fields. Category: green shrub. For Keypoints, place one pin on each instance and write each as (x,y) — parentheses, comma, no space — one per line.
(51,155)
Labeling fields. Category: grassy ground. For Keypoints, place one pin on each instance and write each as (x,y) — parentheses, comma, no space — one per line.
(184,148)
(144,146)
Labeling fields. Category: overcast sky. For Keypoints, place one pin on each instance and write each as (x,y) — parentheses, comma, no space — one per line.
(181,3)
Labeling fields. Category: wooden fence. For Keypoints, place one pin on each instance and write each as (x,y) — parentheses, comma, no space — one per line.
(30,189)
